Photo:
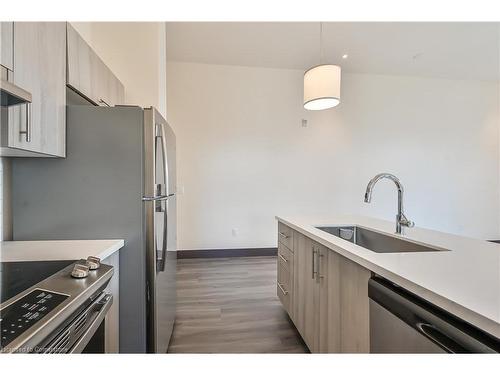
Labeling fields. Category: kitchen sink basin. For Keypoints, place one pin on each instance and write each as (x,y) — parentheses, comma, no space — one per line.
(376,241)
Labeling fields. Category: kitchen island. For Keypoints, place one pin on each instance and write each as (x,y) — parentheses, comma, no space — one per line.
(463,278)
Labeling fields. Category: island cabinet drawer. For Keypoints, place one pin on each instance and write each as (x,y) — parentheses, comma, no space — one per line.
(285,257)
(284,286)
(285,235)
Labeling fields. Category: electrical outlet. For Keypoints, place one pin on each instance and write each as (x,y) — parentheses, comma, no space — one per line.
(304,123)
(234,232)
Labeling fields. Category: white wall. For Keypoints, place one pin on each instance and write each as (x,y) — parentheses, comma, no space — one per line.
(244,157)
(135,52)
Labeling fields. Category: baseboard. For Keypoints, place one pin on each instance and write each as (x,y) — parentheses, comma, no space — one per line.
(224,253)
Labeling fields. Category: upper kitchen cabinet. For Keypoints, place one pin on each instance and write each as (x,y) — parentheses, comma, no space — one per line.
(36,127)
(7,45)
(88,75)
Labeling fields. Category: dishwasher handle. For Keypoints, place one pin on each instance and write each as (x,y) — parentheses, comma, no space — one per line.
(435,335)
(451,333)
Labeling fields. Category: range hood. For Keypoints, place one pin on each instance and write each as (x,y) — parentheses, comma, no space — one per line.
(12,94)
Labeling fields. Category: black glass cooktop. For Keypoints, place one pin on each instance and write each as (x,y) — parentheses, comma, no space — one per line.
(16,277)
(25,312)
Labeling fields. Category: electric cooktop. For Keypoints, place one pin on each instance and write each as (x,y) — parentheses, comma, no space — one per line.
(16,277)
(40,299)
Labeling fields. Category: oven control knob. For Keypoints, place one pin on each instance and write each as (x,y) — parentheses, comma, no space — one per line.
(93,263)
(80,271)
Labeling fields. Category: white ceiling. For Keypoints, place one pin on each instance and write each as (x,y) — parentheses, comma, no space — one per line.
(445,50)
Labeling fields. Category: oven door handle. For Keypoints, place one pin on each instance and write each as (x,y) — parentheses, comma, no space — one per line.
(104,306)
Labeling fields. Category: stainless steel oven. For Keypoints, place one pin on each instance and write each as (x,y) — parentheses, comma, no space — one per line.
(401,322)
(63,313)
(84,333)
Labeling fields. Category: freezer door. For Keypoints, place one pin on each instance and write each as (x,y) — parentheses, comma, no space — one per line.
(160,201)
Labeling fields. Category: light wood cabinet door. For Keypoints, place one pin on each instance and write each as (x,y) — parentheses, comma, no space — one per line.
(81,64)
(285,235)
(354,307)
(111,90)
(285,278)
(306,291)
(329,301)
(7,45)
(286,256)
(284,285)
(343,304)
(88,75)
(40,68)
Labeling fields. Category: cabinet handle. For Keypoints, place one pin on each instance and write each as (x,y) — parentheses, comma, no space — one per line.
(314,263)
(102,101)
(282,258)
(28,131)
(283,235)
(285,292)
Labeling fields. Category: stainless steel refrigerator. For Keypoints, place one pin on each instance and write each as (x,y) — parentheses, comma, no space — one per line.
(117,181)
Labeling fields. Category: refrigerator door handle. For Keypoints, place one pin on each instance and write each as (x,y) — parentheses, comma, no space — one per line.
(163,259)
(158,198)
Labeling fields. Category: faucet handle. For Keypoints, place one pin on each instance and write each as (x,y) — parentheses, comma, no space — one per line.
(405,222)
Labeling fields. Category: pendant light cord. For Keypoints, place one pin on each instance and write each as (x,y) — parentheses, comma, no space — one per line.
(321,57)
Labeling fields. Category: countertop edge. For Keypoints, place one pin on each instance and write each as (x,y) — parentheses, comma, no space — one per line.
(49,250)
(474,318)
(111,250)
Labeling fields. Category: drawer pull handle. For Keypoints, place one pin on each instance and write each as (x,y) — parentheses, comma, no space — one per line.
(283,235)
(282,258)
(314,273)
(285,292)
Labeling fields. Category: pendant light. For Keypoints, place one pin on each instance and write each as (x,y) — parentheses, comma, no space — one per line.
(322,83)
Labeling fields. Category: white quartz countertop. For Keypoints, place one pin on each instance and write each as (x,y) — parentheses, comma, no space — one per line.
(464,281)
(22,251)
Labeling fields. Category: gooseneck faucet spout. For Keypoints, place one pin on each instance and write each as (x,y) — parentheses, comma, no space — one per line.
(401,220)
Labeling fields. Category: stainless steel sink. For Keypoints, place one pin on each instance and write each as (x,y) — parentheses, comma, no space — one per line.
(375,241)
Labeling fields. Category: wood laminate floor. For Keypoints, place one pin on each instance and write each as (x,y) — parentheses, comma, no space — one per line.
(229,305)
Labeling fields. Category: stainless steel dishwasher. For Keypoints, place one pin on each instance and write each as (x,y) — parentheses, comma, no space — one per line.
(401,322)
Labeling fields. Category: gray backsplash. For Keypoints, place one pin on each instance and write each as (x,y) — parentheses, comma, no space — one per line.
(5,200)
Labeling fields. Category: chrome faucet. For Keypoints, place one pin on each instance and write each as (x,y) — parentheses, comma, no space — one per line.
(401,220)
